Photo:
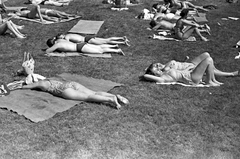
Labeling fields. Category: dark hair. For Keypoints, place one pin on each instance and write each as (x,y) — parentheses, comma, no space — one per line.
(149,70)
(152,23)
(58,36)
(184,12)
(50,42)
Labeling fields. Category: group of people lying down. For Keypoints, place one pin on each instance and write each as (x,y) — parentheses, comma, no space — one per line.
(166,18)
(89,44)
(187,72)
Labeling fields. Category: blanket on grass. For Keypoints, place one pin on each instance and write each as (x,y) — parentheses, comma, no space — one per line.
(67,54)
(86,27)
(46,21)
(39,106)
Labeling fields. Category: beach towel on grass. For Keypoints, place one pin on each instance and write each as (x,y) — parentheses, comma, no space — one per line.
(86,27)
(39,106)
(67,54)
(46,21)
(185,85)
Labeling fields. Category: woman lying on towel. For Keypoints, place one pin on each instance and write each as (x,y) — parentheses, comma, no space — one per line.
(73,91)
(43,14)
(184,28)
(179,5)
(187,72)
(76,38)
(9,25)
(58,3)
(63,45)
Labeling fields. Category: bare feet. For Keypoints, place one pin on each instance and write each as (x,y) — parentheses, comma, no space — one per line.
(213,84)
(126,43)
(235,73)
(121,52)
(122,99)
(204,39)
(115,100)
(126,39)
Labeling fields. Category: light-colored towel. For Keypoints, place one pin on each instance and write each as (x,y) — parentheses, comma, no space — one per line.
(86,27)
(185,85)
(66,54)
(39,106)
(46,22)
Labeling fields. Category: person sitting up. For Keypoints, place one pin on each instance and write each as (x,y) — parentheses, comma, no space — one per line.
(72,91)
(187,72)
(77,38)
(43,14)
(184,28)
(7,24)
(63,45)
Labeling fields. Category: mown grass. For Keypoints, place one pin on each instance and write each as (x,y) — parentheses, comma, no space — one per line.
(162,122)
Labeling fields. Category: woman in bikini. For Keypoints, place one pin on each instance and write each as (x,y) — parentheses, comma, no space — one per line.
(187,72)
(43,14)
(7,24)
(184,28)
(73,91)
(179,5)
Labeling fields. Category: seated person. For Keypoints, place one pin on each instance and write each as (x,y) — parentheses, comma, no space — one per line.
(43,14)
(73,91)
(77,38)
(187,72)
(9,25)
(184,28)
(63,45)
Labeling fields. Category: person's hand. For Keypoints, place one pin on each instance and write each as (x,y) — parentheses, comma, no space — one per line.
(44,21)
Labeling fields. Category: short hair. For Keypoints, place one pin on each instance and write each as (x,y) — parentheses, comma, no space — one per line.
(50,42)
(152,23)
(149,70)
(58,35)
(184,12)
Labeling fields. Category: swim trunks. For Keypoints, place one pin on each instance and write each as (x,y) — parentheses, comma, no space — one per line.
(88,38)
(80,46)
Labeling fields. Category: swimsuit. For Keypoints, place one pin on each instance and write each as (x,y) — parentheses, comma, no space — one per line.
(88,38)
(57,88)
(180,65)
(80,46)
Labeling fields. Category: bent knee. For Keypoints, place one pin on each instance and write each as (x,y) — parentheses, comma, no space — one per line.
(209,60)
(206,54)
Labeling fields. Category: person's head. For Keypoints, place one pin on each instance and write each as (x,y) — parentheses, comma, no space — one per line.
(184,13)
(50,42)
(60,36)
(155,69)
(152,23)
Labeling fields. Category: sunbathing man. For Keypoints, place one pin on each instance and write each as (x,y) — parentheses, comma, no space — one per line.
(6,24)
(179,5)
(63,45)
(73,91)
(43,14)
(76,38)
(189,73)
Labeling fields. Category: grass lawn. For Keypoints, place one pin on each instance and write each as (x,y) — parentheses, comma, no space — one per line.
(161,122)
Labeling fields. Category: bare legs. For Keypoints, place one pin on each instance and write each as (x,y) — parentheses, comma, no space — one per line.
(205,66)
(13,28)
(188,32)
(217,72)
(111,40)
(90,48)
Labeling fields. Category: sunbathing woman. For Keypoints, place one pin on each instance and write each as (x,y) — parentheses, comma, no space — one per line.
(43,14)
(58,3)
(184,28)
(73,91)
(189,73)
(9,25)
(63,45)
(179,5)
(76,38)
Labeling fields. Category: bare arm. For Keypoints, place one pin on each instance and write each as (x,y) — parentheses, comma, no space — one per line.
(52,49)
(190,23)
(162,79)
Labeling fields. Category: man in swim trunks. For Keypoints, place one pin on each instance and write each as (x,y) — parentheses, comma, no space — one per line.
(76,38)
(162,24)
(63,45)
